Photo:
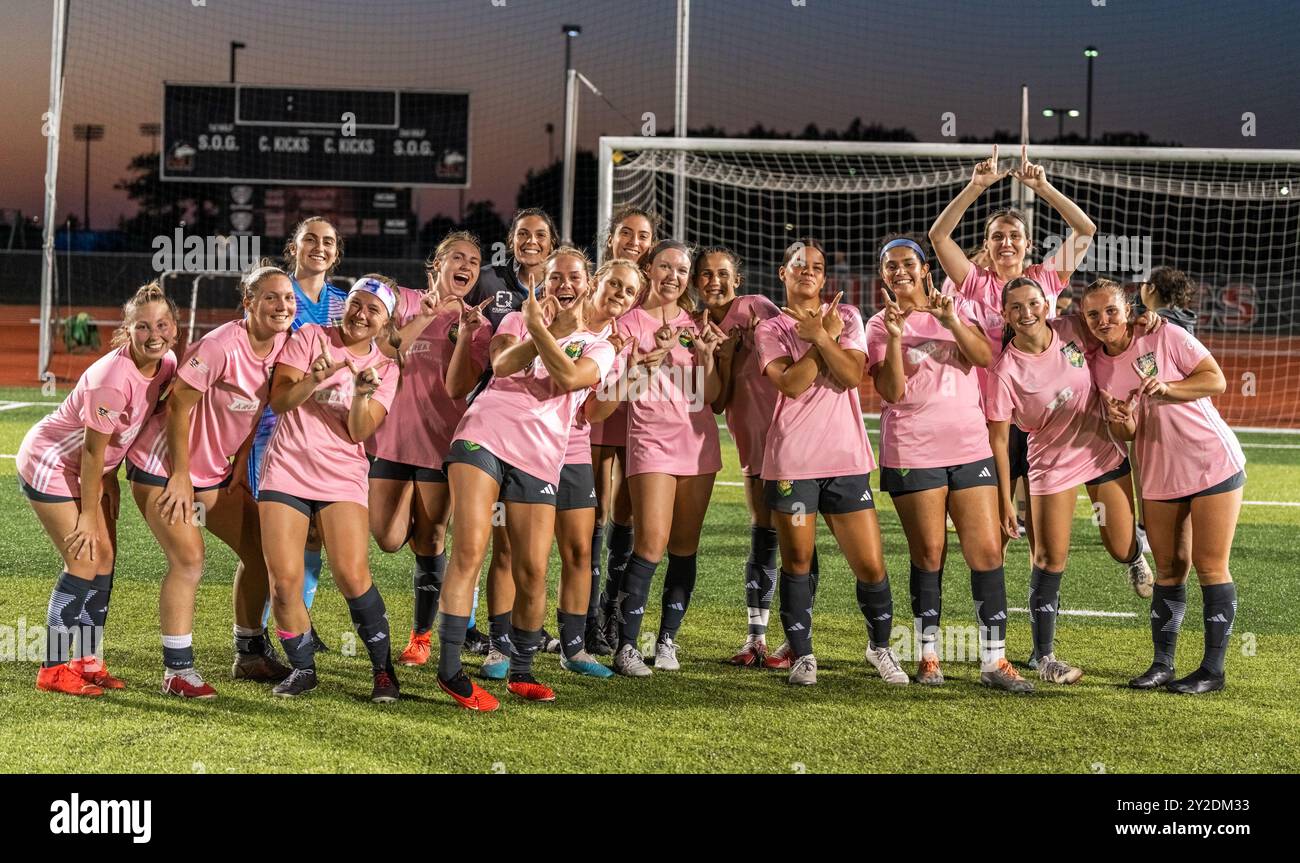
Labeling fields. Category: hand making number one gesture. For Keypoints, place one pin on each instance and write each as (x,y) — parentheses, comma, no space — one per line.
(324,367)
(987,173)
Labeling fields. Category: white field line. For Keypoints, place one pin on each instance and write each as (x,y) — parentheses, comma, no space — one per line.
(1083,612)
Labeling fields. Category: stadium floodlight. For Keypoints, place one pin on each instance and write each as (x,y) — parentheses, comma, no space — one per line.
(1091,53)
(1060,114)
(87,132)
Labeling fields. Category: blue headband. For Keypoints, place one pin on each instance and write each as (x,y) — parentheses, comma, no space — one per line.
(902,241)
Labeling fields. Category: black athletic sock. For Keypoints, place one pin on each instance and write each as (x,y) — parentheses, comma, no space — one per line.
(94,615)
(796,611)
(429,570)
(451,638)
(573,629)
(597,547)
(876,602)
(760,577)
(1168,605)
(62,617)
(500,632)
(525,642)
(620,552)
(814,576)
(926,589)
(371,620)
(1044,605)
(179,654)
(300,650)
(635,591)
(679,583)
(989,589)
(1220,609)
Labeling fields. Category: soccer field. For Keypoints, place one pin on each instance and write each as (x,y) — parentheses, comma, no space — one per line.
(709,716)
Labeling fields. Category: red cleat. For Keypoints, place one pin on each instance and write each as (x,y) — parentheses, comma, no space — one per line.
(751,655)
(62,678)
(478,698)
(94,671)
(417,650)
(780,658)
(527,687)
(187,684)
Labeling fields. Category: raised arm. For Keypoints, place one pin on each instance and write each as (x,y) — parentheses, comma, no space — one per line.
(951,257)
(1066,259)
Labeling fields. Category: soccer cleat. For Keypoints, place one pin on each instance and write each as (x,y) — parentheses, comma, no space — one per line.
(468,694)
(187,683)
(1198,682)
(666,655)
(1054,670)
(300,680)
(528,688)
(780,658)
(628,662)
(885,662)
(585,664)
(95,672)
(550,644)
(475,642)
(417,650)
(1154,677)
(610,626)
(495,666)
(264,667)
(62,678)
(1142,538)
(928,672)
(595,641)
(318,646)
(752,654)
(1139,575)
(803,671)
(1005,677)
(385,690)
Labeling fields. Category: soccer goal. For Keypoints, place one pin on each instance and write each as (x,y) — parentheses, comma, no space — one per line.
(1229,218)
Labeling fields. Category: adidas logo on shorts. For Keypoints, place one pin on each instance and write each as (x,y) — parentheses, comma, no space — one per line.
(866,495)
(984,474)
(593,493)
(547,489)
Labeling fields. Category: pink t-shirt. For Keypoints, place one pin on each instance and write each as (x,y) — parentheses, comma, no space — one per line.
(310,454)
(113,398)
(524,418)
(985,288)
(938,422)
(1051,396)
(670,427)
(235,383)
(1182,447)
(423,417)
(820,434)
(753,396)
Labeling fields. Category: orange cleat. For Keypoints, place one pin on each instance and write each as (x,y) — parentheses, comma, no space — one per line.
(528,687)
(477,698)
(62,678)
(417,650)
(779,658)
(94,671)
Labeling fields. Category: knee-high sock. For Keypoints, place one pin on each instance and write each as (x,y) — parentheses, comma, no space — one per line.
(634,593)
(429,570)
(572,633)
(63,616)
(814,575)
(1168,605)
(760,577)
(796,611)
(679,583)
(989,588)
(525,642)
(473,608)
(1044,605)
(94,616)
(299,648)
(926,588)
(620,552)
(451,638)
(371,620)
(311,566)
(501,632)
(1220,609)
(876,602)
(597,547)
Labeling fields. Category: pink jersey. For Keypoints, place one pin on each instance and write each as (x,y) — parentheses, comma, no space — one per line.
(985,288)
(753,396)
(820,434)
(524,418)
(235,383)
(1183,447)
(938,422)
(1051,396)
(310,454)
(112,398)
(670,426)
(613,430)
(420,425)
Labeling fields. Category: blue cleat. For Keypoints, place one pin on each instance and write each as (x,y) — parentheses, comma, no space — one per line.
(585,664)
(495,666)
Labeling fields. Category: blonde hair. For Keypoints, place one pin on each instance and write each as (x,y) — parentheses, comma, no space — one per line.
(390,328)
(686,300)
(450,240)
(251,280)
(569,252)
(627,263)
(150,293)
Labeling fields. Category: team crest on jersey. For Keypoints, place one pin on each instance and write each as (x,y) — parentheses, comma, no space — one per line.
(784,487)
(573,350)
(1073,354)
(1146,365)
(453,333)
(686,340)
(902,471)
(470,446)
(198,365)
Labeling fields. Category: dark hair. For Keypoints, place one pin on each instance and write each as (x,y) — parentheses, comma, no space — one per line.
(528,212)
(291,256)
(687,299)
(895,235)
(800,244)
(1173,287)
(701,254)
(150,293)
(622,215)
(1019,282)
(1005,213)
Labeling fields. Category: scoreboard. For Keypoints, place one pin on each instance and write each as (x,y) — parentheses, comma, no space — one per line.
(245,133)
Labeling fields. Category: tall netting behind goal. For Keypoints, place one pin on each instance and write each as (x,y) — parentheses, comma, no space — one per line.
(1229,219)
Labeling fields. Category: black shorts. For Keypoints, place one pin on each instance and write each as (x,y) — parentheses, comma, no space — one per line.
(831,495)
(135,474)
(516,485)
(382,468)
(577,487)
(40,496)
(307,507)
(1017,453)
(899,481)
(1232,483)
(1123,470)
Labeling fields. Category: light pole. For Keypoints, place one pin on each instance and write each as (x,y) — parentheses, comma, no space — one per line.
(234,46)
(87,132)
(1091,53)
(1060,114)
(571,32)
(151,131)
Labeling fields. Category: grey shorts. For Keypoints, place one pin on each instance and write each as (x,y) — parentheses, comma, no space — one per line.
(900,480)
(577,487)
(382,468)
(1232,483)
(516,485)
(831,495)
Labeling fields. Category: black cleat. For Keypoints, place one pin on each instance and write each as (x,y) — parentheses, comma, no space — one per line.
(550,644)
(596,643)
(318,646)
(1153,678)
(1198,682)
(475,642)
(386,690)
(299,681)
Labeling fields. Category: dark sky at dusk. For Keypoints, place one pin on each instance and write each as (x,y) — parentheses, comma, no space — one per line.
(1183,71)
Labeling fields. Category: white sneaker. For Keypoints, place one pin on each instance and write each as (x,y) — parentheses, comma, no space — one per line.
(1142,539)
(884,661)
(666,655)
(1139,575)
(1054,670)
(803,671)
(628,662)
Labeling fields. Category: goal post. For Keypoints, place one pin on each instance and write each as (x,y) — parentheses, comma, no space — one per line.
(1229,218)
